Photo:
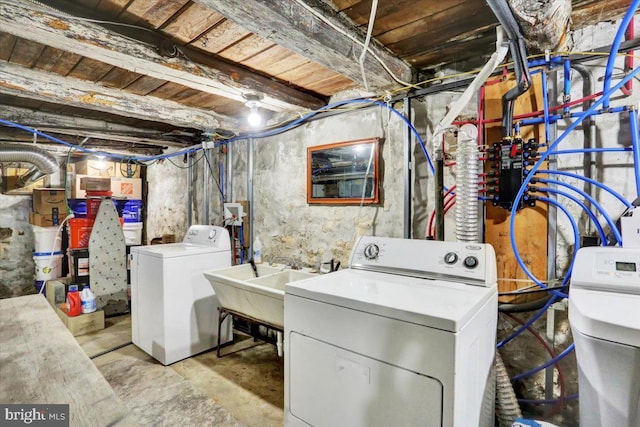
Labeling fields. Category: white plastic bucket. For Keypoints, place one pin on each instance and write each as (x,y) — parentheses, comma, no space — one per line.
(48,267)
(132,233)
(46,239)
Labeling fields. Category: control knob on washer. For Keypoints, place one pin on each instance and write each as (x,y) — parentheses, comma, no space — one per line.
(451,258)
(471,262)
(371,251)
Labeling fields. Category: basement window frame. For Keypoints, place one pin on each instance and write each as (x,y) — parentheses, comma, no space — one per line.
(372,174)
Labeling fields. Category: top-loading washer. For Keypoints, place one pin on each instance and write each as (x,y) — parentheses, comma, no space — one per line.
(405,336)
(604,314)
(173,308)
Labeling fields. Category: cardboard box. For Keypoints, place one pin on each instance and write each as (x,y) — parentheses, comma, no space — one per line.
(47,200)
(107,169)
(42,220)
(84,323)
(78,191)
(130,188)
(92,183)
(11,178)
(99,168)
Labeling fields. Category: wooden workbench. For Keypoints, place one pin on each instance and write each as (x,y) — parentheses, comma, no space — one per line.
(41,363)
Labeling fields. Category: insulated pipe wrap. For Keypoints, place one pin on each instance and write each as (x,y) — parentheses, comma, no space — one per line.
(44,162)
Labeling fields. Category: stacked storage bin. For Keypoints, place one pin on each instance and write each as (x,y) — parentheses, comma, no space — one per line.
(132,215)
(125,185)
(47,255)
(80,227)
(49,210)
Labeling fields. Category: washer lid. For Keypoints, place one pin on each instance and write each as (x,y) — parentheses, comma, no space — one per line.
(433,303)
(175,250)
(609,316)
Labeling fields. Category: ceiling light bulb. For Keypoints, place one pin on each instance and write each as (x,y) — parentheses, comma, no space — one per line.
(101,164)
(254,118)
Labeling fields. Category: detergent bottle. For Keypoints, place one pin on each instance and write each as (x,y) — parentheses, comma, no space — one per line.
(73,307)
(88,299)
(257,250)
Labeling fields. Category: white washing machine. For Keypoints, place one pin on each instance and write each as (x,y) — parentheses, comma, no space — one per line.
(404,337)
(604,313)
(173,307)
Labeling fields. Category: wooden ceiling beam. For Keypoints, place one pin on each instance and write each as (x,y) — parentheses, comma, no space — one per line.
(23,82)
(290,24)
(84,127)
(96,42)
(34,118)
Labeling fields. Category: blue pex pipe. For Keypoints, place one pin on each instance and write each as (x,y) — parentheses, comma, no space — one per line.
(567,83)
(576,236)
(546,364)
(591,200)
(556,117)
(635,143)
(556,294)
(592,150)
(543,157)
(265,134)
(221,172)
(529,322)
(99,153)
(545,105)
(541,62)
(589,180)
(615,46)
(603,236)
(334,105)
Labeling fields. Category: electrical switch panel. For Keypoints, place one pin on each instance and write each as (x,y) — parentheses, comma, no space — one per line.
(509,160)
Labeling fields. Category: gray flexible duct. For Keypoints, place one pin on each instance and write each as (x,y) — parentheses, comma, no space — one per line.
(43,162)
(507,407)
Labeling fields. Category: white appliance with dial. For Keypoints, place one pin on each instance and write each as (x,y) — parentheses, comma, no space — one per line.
(405,336)
(174,310)
(604,313)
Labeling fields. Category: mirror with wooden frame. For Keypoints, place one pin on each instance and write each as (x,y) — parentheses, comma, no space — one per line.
(345,173)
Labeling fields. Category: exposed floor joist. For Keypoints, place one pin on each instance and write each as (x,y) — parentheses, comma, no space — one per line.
(95,42)
(69,125)
(24,82)
(290,24)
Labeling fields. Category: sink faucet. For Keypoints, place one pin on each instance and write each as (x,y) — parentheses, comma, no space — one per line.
(287,261)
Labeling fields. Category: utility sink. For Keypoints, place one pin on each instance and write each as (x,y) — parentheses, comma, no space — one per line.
(278,280)
(260,298)
(245,271)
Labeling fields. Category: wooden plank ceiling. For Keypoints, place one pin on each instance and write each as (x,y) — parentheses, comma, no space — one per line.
(424,34)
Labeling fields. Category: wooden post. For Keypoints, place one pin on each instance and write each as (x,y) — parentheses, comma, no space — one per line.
(531,223)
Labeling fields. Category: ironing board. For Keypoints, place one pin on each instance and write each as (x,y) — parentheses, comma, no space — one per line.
(107,261)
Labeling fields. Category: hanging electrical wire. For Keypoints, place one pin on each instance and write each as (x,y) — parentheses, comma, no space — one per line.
(213,175)
(365,47)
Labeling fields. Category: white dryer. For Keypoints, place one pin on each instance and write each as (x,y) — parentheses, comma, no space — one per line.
(604,313)
(173,307)
(404,337)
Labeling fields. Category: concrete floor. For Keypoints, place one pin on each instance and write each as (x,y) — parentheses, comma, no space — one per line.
(249,384)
